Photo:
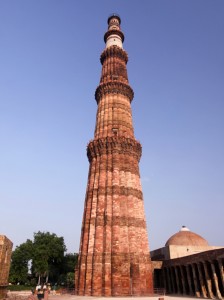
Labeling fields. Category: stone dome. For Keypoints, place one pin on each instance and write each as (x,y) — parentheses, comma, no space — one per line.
(185,237)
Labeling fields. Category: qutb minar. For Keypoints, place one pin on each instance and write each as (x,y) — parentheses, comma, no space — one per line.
(114,257)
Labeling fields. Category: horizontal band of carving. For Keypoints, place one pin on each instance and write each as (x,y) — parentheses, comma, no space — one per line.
(115,190)
(115,144)
(113,31)
(126,126)
(118,104)
(133,258)
(114,88)
(114,51)
(108,164)
(105,220)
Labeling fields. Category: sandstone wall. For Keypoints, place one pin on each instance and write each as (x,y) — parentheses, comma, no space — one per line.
(5,259)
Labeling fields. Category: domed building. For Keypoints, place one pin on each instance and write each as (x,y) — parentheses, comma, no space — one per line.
(185,237)
(182,243)
(188,265)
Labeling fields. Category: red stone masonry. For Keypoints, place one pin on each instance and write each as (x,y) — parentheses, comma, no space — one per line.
(5,259)
(114,257)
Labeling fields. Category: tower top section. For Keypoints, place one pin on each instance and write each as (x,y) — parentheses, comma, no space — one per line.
(114,35)
(113,16)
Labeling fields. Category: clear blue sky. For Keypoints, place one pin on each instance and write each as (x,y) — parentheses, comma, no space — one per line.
(49,70)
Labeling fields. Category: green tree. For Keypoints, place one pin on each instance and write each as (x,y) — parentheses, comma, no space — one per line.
(48,254)
(20,262)
(70,262)
(70,279)
(45,257)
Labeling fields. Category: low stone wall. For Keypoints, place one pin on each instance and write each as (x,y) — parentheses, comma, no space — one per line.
(3,292)
(15,295)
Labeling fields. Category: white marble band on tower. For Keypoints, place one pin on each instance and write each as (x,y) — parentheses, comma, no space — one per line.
(115,36)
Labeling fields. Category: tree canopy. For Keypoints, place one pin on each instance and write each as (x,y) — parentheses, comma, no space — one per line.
(19,262)
(42,260)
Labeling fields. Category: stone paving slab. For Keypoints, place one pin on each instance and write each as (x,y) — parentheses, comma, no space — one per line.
(74,297)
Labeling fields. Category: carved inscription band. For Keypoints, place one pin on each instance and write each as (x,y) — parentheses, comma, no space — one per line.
(104,220)
(114,88)
(124,257)
(115,190)
(111,145)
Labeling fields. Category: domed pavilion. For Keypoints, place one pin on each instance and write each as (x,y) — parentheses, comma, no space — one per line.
(187,265)
(185,237)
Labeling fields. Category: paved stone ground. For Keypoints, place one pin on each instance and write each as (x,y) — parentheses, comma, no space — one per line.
(74,297)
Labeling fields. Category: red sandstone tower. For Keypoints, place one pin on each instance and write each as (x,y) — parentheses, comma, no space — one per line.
(114,257)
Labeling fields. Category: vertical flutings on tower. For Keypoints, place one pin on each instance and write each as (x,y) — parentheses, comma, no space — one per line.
(114,257)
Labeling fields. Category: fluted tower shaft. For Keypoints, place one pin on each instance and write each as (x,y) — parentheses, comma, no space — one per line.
(114,257)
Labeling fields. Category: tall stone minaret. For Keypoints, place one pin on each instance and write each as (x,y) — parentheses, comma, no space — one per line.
(114,258)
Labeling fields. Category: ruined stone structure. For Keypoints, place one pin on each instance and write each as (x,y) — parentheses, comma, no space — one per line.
(114,257)
(188,266)
(199,275)
(5,258)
